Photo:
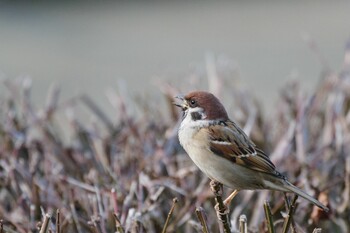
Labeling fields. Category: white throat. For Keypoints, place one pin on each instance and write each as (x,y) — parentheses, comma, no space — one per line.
(190,126)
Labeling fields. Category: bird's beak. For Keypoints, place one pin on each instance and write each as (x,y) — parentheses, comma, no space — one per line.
(183,104)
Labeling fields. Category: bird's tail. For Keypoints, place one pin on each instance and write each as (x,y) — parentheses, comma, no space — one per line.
(301,193)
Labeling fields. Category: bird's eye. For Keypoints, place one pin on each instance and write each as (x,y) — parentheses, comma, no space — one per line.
(193,103)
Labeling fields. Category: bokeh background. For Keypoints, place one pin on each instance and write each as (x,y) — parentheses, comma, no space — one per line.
(111,59)
(87,47)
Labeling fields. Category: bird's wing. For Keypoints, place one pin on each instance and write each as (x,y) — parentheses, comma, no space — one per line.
(230,142)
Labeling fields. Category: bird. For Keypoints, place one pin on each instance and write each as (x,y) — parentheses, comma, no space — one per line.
(221,149)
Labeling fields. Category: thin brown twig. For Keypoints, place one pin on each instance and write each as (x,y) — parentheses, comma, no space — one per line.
(269,218)
(221,209)
(58,227)
(45,225)
(75,218)
(288,204)
(100,210)
(114,200)
(289,217)
(201,217)
(169,215)
(243,228)
(95,222)
(118,225)
(79,184)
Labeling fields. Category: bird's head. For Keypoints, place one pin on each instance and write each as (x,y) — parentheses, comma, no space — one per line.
(202,105)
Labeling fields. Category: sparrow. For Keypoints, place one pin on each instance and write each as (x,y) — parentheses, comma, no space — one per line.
(221,149)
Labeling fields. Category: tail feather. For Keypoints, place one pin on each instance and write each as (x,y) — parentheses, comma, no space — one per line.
(301,193)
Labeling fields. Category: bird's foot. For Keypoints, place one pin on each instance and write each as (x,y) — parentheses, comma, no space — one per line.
(221,210)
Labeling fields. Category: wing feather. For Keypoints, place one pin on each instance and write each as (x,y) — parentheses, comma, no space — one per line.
(229,141)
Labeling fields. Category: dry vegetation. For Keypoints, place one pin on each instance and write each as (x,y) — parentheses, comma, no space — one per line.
(130,174)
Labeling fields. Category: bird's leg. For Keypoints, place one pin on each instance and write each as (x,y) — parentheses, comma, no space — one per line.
(228,200)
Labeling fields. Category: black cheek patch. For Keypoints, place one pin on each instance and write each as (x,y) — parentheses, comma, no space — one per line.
(196,116)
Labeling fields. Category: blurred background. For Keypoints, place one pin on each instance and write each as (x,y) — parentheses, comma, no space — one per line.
(88,47)
(135,167)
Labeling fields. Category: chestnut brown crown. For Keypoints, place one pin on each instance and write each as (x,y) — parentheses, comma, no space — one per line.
(209,103)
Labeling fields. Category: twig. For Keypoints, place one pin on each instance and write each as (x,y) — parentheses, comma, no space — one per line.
(169,215)
(243,228)
(127,203)
(118,225)
(114,200)
(289,218)
(32,216)
(317,230)
(45,224)
(268,216)
(95,221)
(288,204)
(202,219)
(221,210)
(52,101)
(58,230)
(100,209)
(79,184)
(75,218)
